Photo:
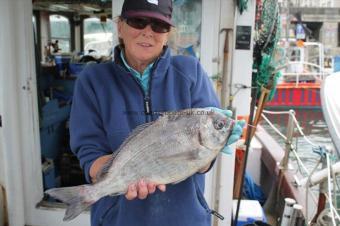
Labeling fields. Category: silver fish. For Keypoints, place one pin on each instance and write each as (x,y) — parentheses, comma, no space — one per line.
(166,151)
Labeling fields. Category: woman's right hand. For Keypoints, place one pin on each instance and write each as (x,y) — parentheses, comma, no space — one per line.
(97,166)
(142,189)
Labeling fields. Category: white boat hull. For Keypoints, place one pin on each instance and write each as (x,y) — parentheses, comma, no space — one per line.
(330,94)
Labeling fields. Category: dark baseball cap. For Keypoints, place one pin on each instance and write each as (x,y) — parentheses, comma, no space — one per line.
(158,9)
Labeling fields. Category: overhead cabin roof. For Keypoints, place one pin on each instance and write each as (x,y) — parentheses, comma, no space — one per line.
(74,6)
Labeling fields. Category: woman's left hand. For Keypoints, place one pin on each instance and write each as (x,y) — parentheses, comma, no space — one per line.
(142,189)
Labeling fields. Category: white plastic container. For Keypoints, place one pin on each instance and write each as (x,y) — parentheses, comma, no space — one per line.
(250,211)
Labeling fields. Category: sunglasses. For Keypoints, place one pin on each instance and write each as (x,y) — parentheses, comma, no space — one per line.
(141,23)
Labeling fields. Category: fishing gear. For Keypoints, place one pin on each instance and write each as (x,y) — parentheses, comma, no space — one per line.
(242,5)
(267,58)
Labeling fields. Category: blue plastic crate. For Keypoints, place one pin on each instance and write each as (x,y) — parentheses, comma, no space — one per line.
(65,85)
(52,113)
(52,128)
(50,139)
(49,176)
(62,59)
(62,62)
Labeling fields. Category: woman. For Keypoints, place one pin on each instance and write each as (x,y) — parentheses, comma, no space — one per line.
(112,99)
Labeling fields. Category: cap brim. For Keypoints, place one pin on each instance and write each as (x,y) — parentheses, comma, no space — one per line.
(154,15)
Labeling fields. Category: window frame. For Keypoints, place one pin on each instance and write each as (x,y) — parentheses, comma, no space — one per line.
(109,20)
(69,39)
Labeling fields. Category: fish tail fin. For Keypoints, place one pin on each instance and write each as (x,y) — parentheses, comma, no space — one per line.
(77,199)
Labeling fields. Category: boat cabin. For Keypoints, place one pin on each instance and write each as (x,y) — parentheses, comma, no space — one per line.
(44,45)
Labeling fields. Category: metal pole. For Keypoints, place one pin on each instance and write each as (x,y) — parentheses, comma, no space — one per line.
(287,21)
(323,188)
(247,143)
(289,135)
(225,92)
(284,161)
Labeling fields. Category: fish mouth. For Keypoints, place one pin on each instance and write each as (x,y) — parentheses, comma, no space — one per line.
(229,125)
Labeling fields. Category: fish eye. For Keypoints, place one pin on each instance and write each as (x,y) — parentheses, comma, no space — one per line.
(219,125)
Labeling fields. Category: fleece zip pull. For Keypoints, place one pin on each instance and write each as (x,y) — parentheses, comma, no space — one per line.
(217,214)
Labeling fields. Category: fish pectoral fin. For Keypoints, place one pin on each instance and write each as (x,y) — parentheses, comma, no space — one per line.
(104,170)
(137,131)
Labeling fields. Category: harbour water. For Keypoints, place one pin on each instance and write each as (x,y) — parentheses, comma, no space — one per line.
(315,129)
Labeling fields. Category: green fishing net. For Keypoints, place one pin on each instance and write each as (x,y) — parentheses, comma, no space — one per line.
(267,55)
(242,5)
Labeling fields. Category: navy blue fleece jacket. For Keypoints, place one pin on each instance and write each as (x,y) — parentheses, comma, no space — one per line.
(108,104)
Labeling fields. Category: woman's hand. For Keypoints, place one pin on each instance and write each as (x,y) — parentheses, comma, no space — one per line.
(97,166)
(142,189)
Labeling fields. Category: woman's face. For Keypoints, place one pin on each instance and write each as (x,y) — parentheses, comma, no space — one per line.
(142,46)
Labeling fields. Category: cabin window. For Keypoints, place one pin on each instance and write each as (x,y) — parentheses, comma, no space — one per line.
(60,33)
(186,38)
(98,36)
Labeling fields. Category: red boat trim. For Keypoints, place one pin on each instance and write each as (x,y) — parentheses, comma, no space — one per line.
(301,95)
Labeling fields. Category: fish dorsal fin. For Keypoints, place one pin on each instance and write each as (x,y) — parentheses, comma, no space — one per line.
(101,174)
(135,132)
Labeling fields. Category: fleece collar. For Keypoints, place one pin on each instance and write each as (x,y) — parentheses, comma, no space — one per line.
(160,66)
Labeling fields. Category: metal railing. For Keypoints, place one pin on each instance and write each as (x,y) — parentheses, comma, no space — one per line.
(329,172)
(318,76)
